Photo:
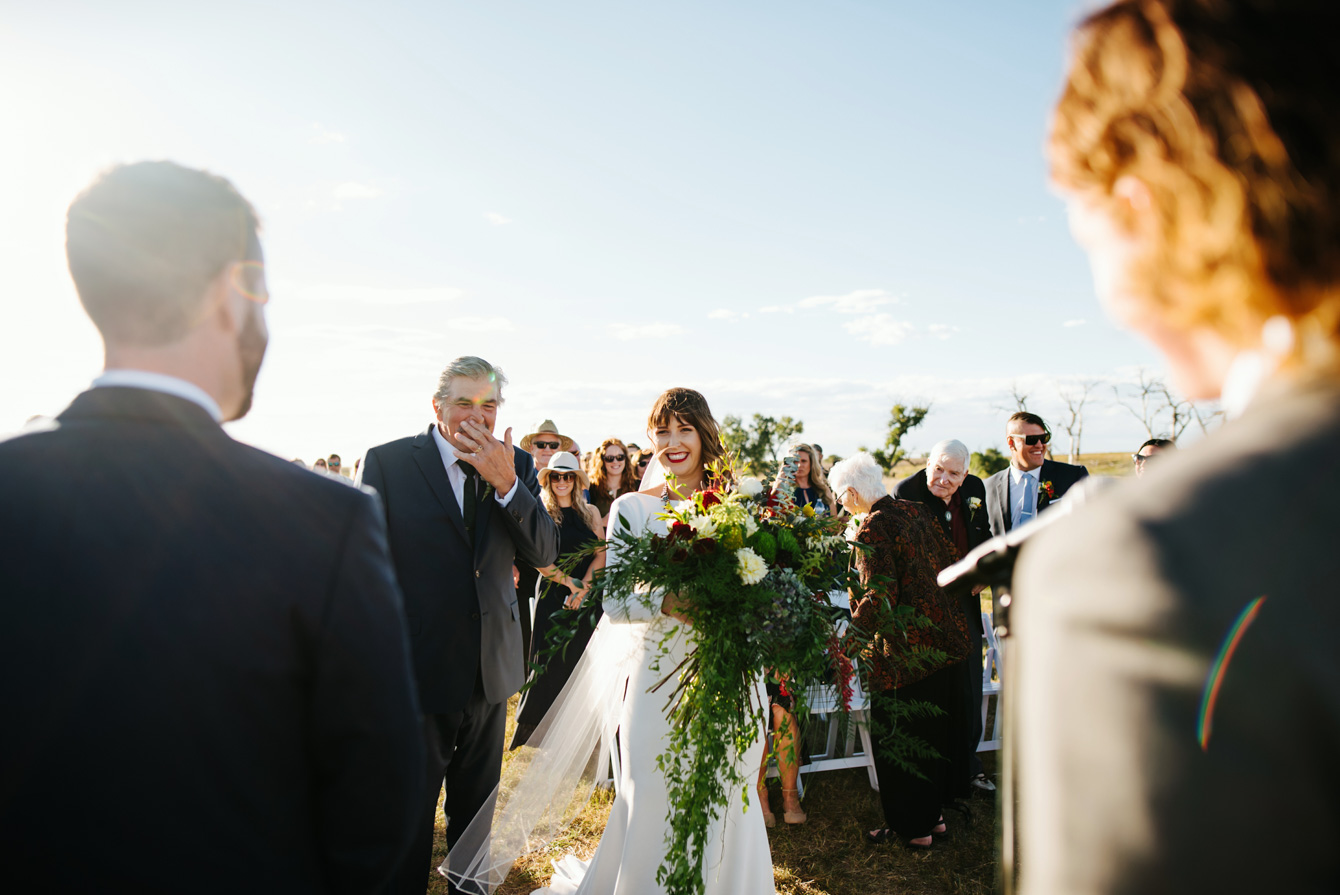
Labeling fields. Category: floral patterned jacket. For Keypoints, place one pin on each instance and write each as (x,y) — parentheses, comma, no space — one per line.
(909,549)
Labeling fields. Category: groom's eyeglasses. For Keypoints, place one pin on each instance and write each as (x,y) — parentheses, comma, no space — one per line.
(547,445)
(562,476)
(1044,438)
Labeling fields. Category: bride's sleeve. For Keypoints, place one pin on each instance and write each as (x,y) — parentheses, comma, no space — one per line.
(627,516)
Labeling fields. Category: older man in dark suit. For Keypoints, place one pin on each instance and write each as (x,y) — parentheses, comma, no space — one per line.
(1031,483)
(204,673)
(461,507)
(957,498)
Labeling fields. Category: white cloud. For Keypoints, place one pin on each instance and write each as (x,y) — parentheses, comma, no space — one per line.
(496,219)
(371,295)
(725,314)
(321,135)
(862,301)
(626,332)
(1074,323)
(776,309)
(941,330)
(879,329)
(351,190)
(482,324)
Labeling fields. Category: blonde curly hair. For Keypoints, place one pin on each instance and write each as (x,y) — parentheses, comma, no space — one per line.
(1221,111)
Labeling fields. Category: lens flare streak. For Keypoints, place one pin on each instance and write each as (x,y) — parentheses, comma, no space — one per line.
(1216,676)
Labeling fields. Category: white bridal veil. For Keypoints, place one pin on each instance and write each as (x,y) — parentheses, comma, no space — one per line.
(546,783)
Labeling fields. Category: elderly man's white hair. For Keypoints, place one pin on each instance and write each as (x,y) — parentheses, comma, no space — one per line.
(860,474)
(951,448)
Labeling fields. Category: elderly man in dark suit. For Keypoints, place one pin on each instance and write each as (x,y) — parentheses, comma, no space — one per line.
(1176,703)
(957,498)
(461,507)
(204,673)
(1031,483)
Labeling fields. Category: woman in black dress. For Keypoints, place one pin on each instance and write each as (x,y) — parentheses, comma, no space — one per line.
(612,475)
(561,484)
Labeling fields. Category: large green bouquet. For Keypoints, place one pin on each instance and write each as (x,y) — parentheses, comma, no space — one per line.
(752,571)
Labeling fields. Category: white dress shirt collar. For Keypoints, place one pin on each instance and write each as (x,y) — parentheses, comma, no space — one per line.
(1017,476)
(160,382)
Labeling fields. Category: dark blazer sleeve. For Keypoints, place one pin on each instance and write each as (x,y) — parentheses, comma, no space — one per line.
(370,475)
(533,531)
(367,740)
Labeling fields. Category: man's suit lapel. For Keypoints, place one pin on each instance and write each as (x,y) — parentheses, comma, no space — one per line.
(1001,485)
(429,459)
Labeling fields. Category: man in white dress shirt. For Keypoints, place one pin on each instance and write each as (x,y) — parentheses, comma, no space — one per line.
(461,506)
(1017,494)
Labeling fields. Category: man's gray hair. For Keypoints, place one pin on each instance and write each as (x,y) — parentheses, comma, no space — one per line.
(469,367)
(860,474)
(951,448)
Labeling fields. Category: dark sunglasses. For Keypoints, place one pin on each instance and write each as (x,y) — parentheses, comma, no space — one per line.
(547,445)
(1140,458)
(1044,438)
(618,458)
(562,476)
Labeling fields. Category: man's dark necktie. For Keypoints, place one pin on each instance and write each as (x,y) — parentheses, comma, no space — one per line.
(471,499)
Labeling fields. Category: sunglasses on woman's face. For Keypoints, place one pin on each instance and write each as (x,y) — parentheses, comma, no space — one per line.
(614,458)
(562,476)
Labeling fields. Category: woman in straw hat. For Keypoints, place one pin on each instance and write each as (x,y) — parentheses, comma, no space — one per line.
(561,486)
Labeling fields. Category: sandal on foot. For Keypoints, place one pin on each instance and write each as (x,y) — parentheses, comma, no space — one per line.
(769,819)
(792,817)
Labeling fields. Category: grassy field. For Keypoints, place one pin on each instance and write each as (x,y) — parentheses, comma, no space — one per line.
(827,855)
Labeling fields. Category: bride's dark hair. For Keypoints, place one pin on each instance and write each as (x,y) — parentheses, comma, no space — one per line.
(691,407)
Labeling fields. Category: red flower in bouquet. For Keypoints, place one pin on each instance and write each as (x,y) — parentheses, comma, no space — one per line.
(680,530)
(711,497)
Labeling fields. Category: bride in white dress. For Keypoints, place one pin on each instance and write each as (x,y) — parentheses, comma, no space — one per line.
(736,859)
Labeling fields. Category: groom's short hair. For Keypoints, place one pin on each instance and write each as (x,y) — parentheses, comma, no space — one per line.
(145,240)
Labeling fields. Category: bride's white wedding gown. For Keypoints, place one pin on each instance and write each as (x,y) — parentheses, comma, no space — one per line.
(736,859)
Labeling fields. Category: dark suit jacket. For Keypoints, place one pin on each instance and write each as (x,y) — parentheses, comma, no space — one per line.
(1149,735)
(204,674)
(1061,475)
(460,601)
(914,487)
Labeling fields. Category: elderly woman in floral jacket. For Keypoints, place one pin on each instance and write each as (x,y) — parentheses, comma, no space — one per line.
(907,661)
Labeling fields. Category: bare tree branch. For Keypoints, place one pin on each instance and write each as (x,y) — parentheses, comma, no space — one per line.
(1075,395)
(1144,404)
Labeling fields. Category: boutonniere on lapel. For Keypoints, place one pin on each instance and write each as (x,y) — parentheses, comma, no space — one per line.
(974,504)
(1046,491)
(488,491)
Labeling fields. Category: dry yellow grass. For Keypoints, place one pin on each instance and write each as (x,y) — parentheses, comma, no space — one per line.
(827,855)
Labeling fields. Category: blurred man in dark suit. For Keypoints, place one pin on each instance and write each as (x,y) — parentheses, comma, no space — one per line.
(1031,483)
(957,498)
(204,674)
(1151,448)
(1175,663)
(462,506)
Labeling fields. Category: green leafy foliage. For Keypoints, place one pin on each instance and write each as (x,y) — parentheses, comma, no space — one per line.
(988,462)
(757,444)
(903,418)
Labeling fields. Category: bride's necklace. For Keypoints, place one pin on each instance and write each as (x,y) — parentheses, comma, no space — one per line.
(665,494)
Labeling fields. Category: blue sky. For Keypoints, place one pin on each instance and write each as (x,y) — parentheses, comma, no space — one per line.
(804,209)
